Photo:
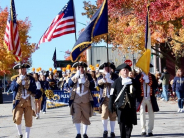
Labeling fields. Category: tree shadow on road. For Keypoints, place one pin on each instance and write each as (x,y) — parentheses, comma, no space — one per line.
(155,135)
(171,135)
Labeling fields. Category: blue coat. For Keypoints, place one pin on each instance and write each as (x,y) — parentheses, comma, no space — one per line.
(178,84)
(14,87)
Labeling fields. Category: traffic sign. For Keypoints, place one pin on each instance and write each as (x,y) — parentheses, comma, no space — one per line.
(129,62)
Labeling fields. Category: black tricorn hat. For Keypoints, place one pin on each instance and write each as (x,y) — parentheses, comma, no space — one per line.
(107,64)
(80,63)
(122,66)
(21,65)
(112,66)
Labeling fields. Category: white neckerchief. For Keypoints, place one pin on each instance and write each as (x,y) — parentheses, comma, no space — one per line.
(126,81)
(81,93)
(26,95)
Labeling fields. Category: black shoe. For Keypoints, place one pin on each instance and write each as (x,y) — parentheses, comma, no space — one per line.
(78,136)
(85,136)
(150,134)
(21,136)
(112,135)
(143,134)
(105,134)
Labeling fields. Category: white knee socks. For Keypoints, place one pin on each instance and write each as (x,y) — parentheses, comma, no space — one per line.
(19,129)
(104,122)
(77,125)
(27,132)
(85,127)
(112,123)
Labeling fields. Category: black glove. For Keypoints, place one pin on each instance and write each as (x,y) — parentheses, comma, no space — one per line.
(70,102)
(92,103)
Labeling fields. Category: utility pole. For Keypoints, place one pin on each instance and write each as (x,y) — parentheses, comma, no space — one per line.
(4,83)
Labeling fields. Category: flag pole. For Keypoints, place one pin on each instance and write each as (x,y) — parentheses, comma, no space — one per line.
(107,48)
(107,35)
(74,21)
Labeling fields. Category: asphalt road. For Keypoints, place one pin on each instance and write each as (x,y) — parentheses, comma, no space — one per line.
(57,123)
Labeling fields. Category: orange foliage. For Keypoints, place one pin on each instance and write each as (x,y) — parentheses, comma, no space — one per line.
(6,60)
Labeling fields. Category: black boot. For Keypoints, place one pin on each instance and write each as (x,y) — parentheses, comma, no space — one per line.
(78,136)
(112,135)
(85,136)
(105,134)
(21,136)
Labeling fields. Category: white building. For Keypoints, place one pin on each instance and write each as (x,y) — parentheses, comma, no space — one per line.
(98,55)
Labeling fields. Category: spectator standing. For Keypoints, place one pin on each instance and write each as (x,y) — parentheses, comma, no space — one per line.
(165,83)
(178,88)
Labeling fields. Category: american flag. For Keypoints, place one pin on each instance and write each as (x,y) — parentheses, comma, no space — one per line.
(63,23)
(11,37)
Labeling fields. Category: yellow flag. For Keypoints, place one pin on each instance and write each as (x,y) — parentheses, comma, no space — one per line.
(144,61)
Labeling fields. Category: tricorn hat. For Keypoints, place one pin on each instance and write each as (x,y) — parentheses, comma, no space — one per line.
(122,66)
(107,64)
(21,65)
(80,63)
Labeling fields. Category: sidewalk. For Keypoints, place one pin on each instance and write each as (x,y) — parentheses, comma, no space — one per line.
(57,123)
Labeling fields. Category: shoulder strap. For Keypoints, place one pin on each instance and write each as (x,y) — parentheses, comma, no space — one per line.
(120,93)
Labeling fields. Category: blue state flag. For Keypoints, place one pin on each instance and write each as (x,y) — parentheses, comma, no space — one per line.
(98,26)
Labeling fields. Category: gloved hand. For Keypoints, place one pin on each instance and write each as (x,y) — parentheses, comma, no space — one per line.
(77,74)
(92,103)
(107,75)
(109,80)
(145,78)
(21,77)
(70,102)
(83,80)
(80,81)
(23,82)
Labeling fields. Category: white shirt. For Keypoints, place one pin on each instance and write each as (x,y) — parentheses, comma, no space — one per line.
(38,85)
(24,93)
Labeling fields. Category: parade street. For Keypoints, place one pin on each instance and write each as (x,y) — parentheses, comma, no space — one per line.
(57,123)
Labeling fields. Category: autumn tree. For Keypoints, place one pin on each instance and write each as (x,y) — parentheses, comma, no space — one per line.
(6,59)
(126,25)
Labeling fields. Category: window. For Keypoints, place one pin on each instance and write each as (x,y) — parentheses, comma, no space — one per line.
(98,62)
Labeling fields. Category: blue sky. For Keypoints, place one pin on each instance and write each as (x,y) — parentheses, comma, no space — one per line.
(41,13)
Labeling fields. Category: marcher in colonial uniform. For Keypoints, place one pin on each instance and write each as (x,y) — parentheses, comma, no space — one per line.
(81,100)
(105,81)
(123,101)
(146,100)
(44,87)
(23,87)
